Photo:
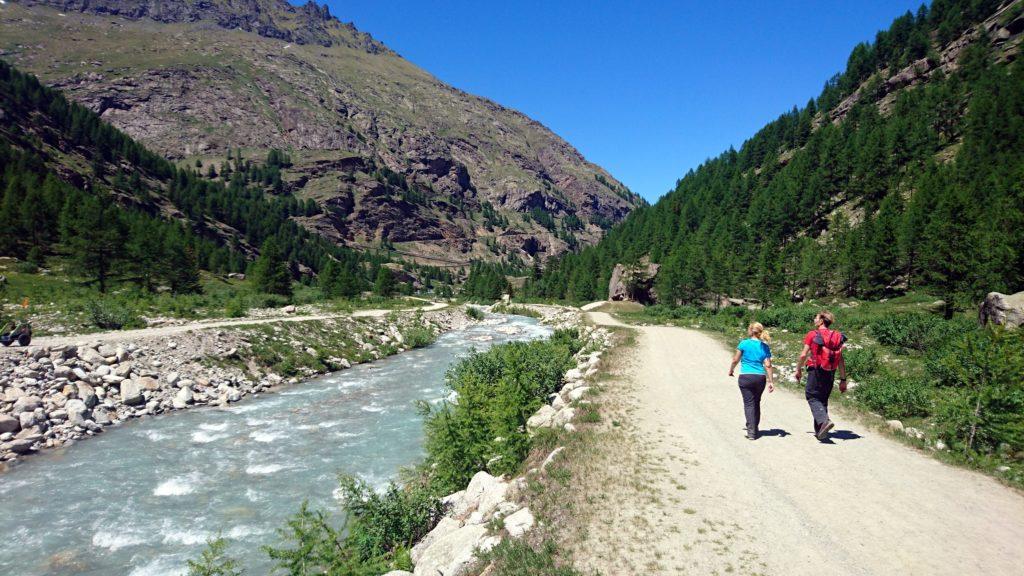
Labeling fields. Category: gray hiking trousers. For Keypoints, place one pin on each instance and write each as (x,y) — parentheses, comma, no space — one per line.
(751,387)
(817,391)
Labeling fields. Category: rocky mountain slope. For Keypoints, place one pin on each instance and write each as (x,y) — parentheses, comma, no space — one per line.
(396,158)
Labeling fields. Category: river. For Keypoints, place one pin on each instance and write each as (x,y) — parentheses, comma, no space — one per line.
(142,498)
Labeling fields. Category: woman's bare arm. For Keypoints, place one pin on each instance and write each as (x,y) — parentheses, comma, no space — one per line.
(769,375)
(735,361)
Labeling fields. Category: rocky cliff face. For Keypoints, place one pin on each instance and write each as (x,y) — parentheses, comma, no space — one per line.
(395,156)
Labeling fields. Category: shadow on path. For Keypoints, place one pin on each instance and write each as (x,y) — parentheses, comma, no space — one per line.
(774,432)
(839,435)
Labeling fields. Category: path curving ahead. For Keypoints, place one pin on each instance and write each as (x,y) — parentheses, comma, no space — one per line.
(124,335)
(787,504)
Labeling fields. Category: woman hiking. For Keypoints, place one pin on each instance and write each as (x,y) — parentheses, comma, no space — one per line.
(823,354)
(755,359)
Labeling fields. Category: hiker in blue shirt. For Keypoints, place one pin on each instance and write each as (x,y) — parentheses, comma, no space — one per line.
(755,359)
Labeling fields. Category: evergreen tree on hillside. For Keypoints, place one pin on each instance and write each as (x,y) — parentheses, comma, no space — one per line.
(270,271)
(94,236)
(384,284)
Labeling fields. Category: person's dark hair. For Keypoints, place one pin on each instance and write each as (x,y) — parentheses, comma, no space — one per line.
(827,317)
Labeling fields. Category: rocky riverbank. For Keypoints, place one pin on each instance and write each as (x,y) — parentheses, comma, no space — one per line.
(492,508)
(54,396)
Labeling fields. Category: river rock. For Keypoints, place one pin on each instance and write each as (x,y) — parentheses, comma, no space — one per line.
(62,372)
(77,411)
(80,373)
(172,378)
(92,357)
(446,526)
(101,415)
(519,523)
(148,383)
(20,445)
(556,402)
(27,419)
(454,554)
(131,393)
(182,398)
(12,394)
(9,424)
(26,404)
(574,374)
(895,425)
(87,394)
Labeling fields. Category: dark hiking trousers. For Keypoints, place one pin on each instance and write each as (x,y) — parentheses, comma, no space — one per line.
(751,387)
(819,388)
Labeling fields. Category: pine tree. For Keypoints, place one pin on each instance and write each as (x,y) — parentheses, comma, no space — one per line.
(270,271)
(94,237)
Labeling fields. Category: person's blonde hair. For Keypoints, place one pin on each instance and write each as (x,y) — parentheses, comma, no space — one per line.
(756,330)
(827,317)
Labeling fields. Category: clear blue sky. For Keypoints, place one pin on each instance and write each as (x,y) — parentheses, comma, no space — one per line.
(646,89)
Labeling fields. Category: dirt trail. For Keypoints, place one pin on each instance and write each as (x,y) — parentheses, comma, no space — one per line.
(702,499)
(124,335)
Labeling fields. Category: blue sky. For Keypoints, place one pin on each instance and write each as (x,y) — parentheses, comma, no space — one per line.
(647,90)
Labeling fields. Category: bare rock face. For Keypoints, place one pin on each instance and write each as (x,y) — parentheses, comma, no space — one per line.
(1002,309)
(633,283)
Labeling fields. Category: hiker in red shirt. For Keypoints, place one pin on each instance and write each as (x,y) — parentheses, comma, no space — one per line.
(823,354)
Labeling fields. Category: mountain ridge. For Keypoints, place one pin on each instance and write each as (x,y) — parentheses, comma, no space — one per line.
(440,173)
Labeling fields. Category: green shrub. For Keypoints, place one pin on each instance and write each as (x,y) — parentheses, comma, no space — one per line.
(907,330)
(474,313)
(236,308)
(792,318)
(497,390)
(981,406)
(381,523)
(110,315)
(214,561)
(418,336)
(516,310)
(861,362)
(378,531)
(895,395)
(26,267)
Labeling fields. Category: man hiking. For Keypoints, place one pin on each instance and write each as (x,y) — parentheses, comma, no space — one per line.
(823,355)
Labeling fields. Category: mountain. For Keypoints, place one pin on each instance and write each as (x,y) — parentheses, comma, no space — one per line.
(75,187)
(394,157)
(904,173)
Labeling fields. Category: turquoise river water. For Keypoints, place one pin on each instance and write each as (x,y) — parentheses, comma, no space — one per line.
(142,498)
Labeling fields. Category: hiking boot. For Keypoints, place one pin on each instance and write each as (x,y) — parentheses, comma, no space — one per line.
(751,433)
(823,431)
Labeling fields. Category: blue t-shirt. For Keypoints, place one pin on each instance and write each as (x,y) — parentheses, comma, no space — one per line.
(754,352)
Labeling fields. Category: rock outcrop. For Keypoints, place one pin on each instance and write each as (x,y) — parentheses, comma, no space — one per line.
(1005,310)
(634,283)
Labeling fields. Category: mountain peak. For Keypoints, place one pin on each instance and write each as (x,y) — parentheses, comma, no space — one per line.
(309,23)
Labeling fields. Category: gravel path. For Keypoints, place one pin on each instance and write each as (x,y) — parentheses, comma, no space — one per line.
(785,504)
(125,335)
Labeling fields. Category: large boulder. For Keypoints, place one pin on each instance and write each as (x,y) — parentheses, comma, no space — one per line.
(455,553)
(1007,310)
(485,492)
(445,527)
(633,283)
(87,394)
